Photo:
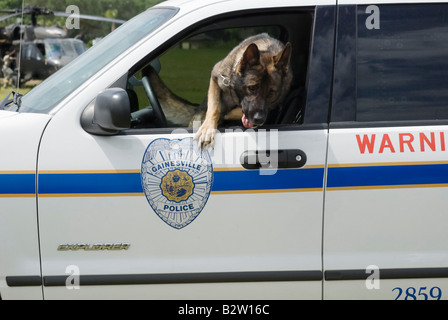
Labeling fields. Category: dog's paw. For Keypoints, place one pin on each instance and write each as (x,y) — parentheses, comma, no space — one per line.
(206,136)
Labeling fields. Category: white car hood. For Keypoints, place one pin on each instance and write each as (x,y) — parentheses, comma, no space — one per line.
(7,114)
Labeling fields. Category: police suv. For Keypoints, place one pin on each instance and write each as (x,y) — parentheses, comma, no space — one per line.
(342,195)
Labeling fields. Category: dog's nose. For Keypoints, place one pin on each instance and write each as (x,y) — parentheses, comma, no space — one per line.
(259,118)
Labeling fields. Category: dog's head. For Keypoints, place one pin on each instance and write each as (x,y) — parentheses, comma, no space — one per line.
(263,80)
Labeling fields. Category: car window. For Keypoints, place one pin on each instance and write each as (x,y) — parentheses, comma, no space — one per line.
(185,69)
(402,62)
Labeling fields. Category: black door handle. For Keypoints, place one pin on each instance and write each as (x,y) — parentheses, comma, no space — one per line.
(273,159)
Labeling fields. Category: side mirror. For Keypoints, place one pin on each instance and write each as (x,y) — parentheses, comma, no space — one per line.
(108,114)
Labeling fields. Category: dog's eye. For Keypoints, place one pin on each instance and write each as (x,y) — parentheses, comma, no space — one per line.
(252,89)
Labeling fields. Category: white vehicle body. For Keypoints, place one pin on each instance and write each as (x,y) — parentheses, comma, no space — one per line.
(361,216)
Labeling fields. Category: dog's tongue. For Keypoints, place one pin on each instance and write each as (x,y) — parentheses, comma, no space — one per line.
(246,123)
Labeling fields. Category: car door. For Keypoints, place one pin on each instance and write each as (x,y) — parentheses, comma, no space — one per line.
(386,181)
(146,213)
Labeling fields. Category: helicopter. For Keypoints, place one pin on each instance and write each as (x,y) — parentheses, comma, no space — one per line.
(43,49)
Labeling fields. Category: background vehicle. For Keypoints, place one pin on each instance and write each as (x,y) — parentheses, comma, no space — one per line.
(44,49)
(346,198)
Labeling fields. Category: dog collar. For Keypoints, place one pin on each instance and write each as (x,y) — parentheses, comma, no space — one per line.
(225,80)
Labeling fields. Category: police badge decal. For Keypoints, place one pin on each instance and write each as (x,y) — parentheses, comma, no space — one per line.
(177,178)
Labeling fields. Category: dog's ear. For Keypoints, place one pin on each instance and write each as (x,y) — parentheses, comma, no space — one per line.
(282,59)
(250,58)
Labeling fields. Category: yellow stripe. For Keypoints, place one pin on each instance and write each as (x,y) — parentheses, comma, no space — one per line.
(265,191)
(384,164)
(317,166)
(403,186)
(27,195)
(229,169)
(86,171)
(312,166)
(18,172)
(73,195)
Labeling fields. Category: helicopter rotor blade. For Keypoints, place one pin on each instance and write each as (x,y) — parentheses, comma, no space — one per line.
(88,17)
(44,11)
(10,16)
(9,10)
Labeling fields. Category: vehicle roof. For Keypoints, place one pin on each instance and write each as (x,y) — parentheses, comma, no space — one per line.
(197,3)
(368,2)
(192,5)
(201,3)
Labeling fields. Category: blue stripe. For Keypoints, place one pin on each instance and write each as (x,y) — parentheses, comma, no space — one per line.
(387,175)
(246,180)
(70,183)
(17,184)
(80,183)
(280,179)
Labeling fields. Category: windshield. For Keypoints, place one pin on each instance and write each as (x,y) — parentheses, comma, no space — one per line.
(45,96)
(62,51)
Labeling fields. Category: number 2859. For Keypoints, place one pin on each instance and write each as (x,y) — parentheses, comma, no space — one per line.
(422,293)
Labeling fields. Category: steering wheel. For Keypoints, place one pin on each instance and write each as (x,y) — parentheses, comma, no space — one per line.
(158,112)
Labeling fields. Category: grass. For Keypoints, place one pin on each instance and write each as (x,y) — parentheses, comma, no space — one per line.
(23,89)
(187,72)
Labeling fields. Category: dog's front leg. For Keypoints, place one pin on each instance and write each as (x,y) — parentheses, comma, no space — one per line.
(207,131)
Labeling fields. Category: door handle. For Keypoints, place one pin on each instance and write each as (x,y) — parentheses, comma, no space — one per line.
(273,159)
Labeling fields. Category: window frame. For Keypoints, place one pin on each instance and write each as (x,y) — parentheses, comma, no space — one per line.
(344,96)
(319,114)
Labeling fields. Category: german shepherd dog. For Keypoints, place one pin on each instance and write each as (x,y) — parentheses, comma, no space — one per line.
(247,84)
